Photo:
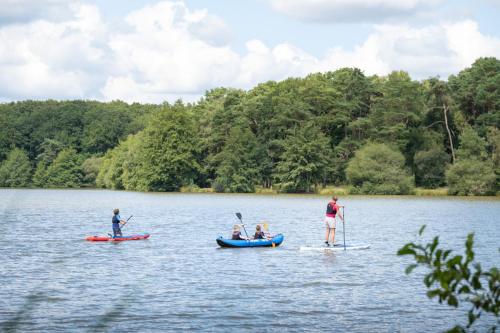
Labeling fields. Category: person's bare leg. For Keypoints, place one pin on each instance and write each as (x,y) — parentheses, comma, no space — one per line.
(327,234)
(332,232)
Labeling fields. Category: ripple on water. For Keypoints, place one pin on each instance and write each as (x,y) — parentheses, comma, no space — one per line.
(179,280)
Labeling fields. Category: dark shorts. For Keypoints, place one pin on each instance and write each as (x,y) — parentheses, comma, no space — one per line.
(117,231)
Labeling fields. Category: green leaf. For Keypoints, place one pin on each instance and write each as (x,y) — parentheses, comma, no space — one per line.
(476,284)
(421,231)
(406,250)
(464,290)
(433,293)
(472,317)
(410,268)
(452,301)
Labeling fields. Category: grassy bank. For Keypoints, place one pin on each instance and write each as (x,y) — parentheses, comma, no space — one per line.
(328,190)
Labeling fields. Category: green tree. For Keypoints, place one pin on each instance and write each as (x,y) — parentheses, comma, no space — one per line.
(305,161)
(477,89)
(473,173)
(111,169)
(430,167)
(90,168)
(397,111)
(430,161)
(440,111)
(16,170)
(48,152)
(168,151)
(457,279)
(471,145)
(65,170)
(237,164)
(378,169)
(494,144)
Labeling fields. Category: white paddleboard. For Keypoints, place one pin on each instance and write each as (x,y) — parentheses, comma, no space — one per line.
(338,247)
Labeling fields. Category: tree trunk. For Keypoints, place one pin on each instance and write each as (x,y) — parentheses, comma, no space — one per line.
(445,111)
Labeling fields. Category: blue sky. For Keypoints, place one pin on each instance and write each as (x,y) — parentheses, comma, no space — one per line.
(151,51)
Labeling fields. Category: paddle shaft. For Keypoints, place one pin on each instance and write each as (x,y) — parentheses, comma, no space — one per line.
(126,222)
(343,224)
(244,228)
(238,215)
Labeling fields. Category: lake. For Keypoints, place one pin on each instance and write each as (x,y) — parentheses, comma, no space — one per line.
(179,279)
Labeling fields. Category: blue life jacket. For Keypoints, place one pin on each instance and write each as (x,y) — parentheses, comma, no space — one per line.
(116,221)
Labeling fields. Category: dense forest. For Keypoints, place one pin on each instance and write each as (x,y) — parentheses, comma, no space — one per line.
(372,134)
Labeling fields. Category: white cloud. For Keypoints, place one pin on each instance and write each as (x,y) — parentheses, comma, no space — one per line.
(43,59)
(168,51)
(351,10)
(434,50)
(15,11)
(162,54)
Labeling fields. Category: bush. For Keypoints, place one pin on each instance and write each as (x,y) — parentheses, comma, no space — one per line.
(430,167)
(378,169)
(471,177)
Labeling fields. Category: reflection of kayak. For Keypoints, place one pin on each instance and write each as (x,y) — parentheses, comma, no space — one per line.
(337,247)
(117,239)
(275,241)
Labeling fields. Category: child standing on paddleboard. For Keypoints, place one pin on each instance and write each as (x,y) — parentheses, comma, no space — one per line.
(332,210)
(116,221)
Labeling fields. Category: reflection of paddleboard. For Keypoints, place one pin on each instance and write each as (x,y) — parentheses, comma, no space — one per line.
(337,247)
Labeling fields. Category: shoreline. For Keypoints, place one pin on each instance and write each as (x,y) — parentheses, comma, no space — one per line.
(341,192)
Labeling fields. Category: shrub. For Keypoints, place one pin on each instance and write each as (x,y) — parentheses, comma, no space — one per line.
(378,169)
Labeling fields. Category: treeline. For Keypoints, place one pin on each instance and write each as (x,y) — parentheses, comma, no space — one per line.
(59,144)
(378,135)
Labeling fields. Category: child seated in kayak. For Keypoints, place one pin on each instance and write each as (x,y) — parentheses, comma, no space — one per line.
(237,234)
(259,233)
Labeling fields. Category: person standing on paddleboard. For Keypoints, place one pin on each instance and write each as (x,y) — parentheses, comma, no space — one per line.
(116,221)
(332,211)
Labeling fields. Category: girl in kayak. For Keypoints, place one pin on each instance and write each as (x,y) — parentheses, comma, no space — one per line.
(237,234)
(259,233)
(332,210)
(116,221)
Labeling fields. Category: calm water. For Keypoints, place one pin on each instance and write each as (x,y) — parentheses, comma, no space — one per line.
(52,280)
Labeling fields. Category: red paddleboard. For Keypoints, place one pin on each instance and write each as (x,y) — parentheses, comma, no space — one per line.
(116,239)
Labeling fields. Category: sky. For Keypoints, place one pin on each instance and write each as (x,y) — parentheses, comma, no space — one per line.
(154,51)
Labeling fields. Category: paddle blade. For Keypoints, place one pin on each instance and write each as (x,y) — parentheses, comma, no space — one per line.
(266,226)
(238,215)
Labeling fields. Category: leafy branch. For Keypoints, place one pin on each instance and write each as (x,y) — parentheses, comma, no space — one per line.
(457,279)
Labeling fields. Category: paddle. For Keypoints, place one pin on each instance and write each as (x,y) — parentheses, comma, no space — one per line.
(122,225)
(126,221)
(266,230)
(343,224)
(238,215)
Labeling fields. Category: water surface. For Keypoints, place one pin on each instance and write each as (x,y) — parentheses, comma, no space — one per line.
(52,280)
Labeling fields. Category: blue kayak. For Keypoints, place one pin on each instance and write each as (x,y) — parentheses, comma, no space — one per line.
(275,241)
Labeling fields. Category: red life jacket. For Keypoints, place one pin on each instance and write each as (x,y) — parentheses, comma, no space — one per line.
(331,209)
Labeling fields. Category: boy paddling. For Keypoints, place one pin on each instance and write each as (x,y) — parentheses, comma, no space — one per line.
(116,221)
(332,210)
